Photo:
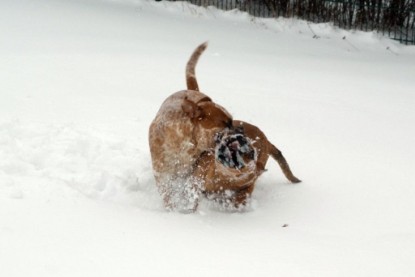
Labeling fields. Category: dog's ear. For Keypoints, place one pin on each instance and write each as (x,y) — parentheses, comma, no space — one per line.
(191,109)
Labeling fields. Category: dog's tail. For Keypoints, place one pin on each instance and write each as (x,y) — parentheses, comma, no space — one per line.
(277,155)
(190,67)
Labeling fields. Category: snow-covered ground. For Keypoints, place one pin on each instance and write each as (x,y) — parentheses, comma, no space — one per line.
(80,82)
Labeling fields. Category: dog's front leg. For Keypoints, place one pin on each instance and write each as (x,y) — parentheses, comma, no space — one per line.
(181,194)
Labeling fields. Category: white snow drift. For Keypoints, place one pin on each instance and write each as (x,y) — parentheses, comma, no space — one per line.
(81,82)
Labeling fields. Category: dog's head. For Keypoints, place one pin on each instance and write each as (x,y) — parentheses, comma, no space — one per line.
(208,118)
(207,114)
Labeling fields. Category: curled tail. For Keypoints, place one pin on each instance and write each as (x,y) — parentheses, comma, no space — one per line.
(190,67)
(277,155)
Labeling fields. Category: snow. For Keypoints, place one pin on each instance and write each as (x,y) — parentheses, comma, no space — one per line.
(81,82)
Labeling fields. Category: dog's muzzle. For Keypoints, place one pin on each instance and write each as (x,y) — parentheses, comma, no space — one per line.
(233,149)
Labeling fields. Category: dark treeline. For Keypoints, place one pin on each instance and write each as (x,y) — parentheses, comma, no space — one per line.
(395,18)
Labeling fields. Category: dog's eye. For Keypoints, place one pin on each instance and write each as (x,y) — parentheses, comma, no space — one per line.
(240,130)
(228,123)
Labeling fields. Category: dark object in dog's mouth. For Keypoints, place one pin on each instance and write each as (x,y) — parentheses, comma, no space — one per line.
(233,148)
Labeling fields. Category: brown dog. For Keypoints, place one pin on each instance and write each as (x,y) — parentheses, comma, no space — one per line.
(187,159)
(184,128)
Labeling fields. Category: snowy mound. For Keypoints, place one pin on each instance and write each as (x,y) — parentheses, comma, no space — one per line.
(80,84)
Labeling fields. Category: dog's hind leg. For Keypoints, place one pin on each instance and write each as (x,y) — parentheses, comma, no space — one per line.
(277,155)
